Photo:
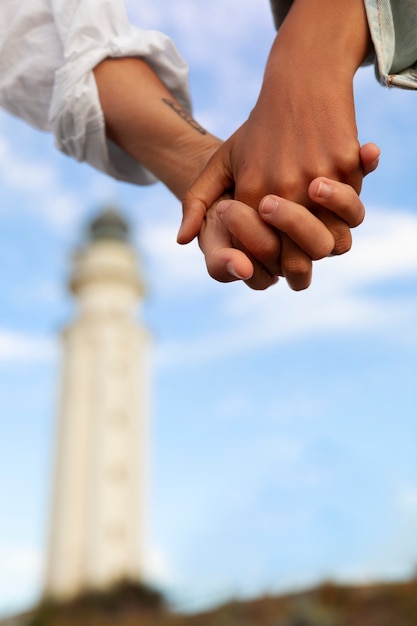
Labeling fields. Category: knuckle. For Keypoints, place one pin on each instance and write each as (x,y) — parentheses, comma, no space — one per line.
(188,198)
(269,248)
(249,192)
(296,268)
(349,167)
(349,160)
(343,243)
(324,250)
(262,282)
(218,275)
(344,165)
(358,215)
(293,188)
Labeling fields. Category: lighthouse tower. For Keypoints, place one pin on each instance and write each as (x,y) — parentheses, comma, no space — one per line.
(97,515)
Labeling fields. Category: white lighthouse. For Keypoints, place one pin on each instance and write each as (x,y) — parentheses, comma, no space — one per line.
(97,518)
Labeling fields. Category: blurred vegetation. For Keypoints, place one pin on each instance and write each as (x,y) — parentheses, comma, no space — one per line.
(327,605)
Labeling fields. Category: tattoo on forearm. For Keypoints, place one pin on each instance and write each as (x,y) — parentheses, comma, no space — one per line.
(185,116)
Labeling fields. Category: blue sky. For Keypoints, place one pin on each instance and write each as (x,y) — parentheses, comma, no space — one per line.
(284,424)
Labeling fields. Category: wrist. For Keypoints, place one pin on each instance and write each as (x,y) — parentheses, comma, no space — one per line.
(144,120)
(188,161)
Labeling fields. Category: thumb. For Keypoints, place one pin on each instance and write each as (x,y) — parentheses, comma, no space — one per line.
(212,183)
(193,213)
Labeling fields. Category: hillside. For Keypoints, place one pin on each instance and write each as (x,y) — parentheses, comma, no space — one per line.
(326,605)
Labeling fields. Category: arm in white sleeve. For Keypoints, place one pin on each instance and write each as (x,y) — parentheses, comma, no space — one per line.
(52,47)
(30,52)
(393,28)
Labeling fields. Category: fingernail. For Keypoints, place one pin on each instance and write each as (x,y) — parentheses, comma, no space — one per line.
(268,205)
(324,190)
(233,272)
(223,206)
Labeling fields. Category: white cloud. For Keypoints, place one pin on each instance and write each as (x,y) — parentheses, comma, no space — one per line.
(21,574)
(229,56)
(339,299)
(31,175)
(21,172)
(61,209)
(158,570)
(173,267)
(22,560)
(25,348)
(196,26)
(408,500)
(396,558)
(384,247)
(47,294)
(41,181)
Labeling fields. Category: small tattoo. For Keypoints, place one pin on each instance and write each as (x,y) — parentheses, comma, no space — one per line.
(185,116)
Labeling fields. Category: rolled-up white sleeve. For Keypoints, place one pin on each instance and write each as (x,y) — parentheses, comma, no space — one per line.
(48,49)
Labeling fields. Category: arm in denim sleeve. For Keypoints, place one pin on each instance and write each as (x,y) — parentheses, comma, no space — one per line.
(393,29)
(280,9)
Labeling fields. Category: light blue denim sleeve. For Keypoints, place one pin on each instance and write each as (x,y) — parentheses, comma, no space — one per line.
(393,28)
(280,9)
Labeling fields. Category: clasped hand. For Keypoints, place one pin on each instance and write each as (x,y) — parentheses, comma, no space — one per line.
(279,237)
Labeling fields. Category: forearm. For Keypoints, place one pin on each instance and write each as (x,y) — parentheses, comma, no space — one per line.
(143,118)
(305,114)
(333,33)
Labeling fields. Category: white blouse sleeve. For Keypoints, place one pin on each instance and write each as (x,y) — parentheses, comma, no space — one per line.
(48,49)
